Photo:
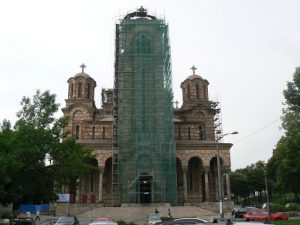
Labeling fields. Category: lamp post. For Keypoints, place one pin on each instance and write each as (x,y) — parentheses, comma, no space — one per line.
(220,195)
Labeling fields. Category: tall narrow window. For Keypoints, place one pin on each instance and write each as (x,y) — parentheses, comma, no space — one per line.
(79,90)
(189,133)
(179,133)
(93,133)
(200,131)
(71,91)
(188,92)
(77,131)
(197,92)
(103,132)
(88,91)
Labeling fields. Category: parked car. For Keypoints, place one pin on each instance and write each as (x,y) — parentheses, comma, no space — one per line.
(153,218)
(48,221)
(67,220)
(185,221)
(241,211)
(262,215)
(102,221)
(291,204)
(22,221)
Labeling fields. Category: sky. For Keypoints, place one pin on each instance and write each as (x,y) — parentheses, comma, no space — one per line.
(246,49)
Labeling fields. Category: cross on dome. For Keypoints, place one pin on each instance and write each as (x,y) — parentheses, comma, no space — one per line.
(193,68)
(82,67)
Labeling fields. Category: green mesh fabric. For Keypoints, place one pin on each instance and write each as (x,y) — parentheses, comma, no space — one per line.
(144,113)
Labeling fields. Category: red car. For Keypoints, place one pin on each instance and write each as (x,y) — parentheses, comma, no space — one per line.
(262,214)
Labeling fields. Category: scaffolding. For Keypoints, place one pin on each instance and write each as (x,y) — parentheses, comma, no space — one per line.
(144,157)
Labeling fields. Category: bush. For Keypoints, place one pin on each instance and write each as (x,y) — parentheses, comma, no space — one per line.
(6,215)
(278,208)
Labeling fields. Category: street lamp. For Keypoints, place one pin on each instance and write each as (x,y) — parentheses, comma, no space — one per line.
(219,174)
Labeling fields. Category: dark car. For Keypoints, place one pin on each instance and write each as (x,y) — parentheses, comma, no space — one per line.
(241,211)
(67,220)
(22,221)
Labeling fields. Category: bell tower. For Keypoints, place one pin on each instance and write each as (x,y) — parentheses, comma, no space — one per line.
(194,89)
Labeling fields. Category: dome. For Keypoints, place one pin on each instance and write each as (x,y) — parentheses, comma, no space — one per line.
(82,74)
(193,77)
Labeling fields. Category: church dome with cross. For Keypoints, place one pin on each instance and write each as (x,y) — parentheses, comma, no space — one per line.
(81,86)
(194,88)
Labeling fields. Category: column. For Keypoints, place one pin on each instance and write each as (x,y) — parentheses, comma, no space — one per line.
(100,186)
(206,184)
(185,184)
(228,186)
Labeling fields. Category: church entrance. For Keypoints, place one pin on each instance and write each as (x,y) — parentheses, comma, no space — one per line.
(145,188)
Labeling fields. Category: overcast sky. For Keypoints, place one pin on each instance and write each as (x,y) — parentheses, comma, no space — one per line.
(247,50)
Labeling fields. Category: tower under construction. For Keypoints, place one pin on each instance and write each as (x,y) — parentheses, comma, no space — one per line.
(144,157)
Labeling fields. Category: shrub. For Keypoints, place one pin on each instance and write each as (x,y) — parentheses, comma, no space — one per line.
(278,208)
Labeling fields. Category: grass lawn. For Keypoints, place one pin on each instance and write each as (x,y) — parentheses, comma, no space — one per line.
(287,222)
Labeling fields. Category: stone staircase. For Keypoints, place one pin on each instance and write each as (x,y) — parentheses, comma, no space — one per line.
(140,212)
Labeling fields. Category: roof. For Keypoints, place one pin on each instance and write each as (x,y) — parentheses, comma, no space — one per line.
(193,77)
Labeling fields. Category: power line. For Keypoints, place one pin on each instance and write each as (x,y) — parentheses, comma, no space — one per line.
(260,129)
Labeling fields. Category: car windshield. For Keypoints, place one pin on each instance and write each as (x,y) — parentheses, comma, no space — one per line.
(154,217)
(65,219)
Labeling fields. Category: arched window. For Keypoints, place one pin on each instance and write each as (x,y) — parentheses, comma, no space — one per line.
(72,90)
(188,92)
(103,132)
(93,133)
(197,91)
(79,90)
(77,132)
(189,133)
(179,133)
(88,90)
(143,45)
(201,133)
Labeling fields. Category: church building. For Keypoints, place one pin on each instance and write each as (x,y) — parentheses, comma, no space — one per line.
(148,149)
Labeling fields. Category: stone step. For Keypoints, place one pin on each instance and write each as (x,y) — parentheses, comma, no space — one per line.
(134,213)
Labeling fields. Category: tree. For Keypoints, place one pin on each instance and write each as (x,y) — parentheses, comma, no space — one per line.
(71,161)
(9,165)
(38,135)
(286,156)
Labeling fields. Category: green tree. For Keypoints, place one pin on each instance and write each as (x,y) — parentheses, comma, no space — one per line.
(9,165)
(286,156)
(71,161)
(26,177)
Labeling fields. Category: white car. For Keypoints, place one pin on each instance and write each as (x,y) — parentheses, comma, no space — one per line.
(102,221)
(153,219)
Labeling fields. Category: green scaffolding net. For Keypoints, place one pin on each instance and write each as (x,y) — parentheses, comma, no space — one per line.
(144,146)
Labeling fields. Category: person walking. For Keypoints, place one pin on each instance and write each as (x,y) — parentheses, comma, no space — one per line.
(37,216)
(28,214)
(169,213)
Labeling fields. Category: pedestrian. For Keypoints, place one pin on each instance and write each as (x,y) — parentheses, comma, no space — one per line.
(37,216)
(28,214)
(5,222)
(229,222)
(156,211)
(169,213)
(214,220)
